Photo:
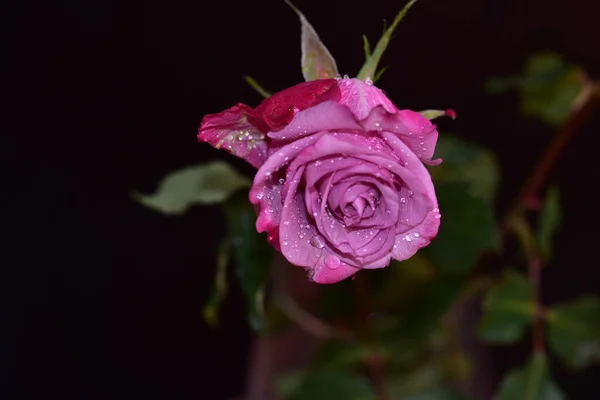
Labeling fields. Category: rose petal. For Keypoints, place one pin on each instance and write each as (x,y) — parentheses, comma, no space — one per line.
(325,275)
(237,130)
(419,134)
(361,98)
(279,109)
(323,117)
(407,243)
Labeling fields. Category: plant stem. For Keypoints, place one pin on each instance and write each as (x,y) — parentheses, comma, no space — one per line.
(583,107)
(534,268)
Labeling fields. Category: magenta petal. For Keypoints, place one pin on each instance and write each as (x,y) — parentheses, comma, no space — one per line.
(419,134)
(361,98)
(407,243)
(322,117)
(325,274)
(232,131)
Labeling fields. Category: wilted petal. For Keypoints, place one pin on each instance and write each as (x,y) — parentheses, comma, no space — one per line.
(237,130)
(361,98)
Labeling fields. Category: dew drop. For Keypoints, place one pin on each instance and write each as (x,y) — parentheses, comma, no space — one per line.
(317,241)
(369,81)
(332,262)
(337,77)
(416,235)
(285,243)
(286,222)
(403,200)
(281,181)
(408,238)
(346,76)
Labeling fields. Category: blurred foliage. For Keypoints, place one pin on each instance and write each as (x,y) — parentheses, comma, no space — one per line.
(574,331)
(508,309)
(547,88)
(466,185)
(530,382)
(549,222)
(252,254)
(324,385)
(209,183)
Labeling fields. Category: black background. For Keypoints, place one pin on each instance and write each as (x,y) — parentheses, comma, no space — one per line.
(104,297)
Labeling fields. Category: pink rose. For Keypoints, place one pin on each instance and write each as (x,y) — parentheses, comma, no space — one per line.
(341,184)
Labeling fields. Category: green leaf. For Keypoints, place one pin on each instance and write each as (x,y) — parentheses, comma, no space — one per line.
(549,221)
(438,394)
(409,385)
(317,62)
(339,355)
(219,290)
(366,47)
(254,85)
(465,185)
(530,382)
(508,309)
(328,385)
(573,331)
(370,67)
(252,255)
(547,88)
(208,183)
(379,73)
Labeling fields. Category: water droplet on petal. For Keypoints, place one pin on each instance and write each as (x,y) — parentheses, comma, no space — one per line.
(416,234)
(408,238)
(346,76)
(285,243)
(281,181)
(286,222)
(317,241)
(337,77)
(369,81)
(403,200)
(332,262)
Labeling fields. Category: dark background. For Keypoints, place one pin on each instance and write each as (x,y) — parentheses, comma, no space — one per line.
(104,297)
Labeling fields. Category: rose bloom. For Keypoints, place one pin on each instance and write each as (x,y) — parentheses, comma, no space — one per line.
(341,184)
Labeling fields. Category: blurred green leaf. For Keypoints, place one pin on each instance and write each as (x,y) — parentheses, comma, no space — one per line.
(530,382)
(404,336)
(288,383)
(438,394)
(573,331)
(465,185)
(409,385)
(547,88)
(394,286)
(252,255)
(549,221)
(508,309)
(219,290)
(317,61)
(208,183)
(370,67)
(338,355)
(328,385)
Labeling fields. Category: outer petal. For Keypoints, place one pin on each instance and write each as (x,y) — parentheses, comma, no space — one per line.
(362,98)
(237,130)
(322,117)
(267,192)
(416,131)
(408,242)
(279,109)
